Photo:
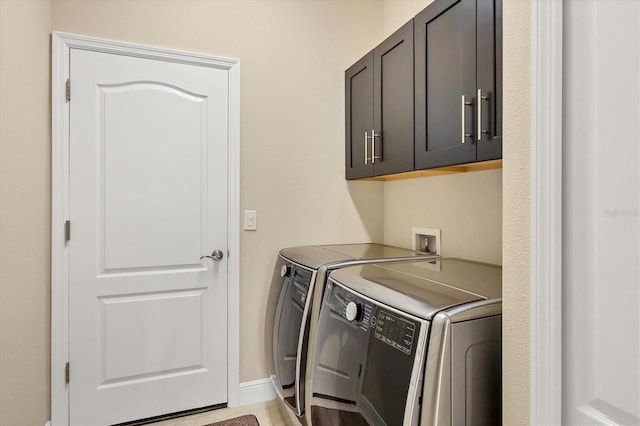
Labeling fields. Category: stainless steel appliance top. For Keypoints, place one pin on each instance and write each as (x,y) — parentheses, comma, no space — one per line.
(336,254)
(414,287)
(482,279)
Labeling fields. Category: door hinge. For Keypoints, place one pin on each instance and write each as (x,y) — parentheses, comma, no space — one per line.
(67,230)
(66,373)
(68,89)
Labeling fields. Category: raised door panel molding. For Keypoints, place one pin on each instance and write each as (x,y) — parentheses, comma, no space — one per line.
(147,122)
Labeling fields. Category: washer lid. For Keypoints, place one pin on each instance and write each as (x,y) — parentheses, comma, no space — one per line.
(410,293)
(482,279)
(316,256)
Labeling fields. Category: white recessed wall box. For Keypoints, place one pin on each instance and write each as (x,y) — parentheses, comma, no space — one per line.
(426,240)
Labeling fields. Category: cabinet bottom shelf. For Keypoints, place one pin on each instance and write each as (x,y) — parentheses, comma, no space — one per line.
(460,168)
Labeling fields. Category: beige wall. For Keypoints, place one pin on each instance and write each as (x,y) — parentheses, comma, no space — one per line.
(467,208)
(25,155)
(516,239)
(398,12)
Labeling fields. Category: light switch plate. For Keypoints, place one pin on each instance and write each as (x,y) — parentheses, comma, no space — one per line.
(250,220)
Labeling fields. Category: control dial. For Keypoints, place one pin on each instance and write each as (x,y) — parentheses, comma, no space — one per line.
(285,271)
(354,311)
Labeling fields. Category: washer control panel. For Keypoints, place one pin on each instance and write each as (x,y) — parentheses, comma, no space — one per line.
(386,325)
(394,331)
(352,308)
(353,312)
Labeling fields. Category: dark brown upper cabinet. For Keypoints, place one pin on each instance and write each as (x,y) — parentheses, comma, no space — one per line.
(458,83)
(379,109)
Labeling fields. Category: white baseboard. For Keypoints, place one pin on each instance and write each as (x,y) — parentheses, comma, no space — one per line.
(48,423)
(260,390)
(252,392)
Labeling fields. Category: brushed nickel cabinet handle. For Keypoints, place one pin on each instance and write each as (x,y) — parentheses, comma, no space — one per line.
(479,102)
(366,154)
(373,146)
(463,134)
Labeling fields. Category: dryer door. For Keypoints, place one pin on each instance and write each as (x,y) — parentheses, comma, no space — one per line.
(291,284)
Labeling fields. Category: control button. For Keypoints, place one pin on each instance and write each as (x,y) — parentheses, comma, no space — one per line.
(285,271)
(354,311)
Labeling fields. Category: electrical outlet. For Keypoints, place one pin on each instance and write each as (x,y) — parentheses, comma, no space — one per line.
(426,240)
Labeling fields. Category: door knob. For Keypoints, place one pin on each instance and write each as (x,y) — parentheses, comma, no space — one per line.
(215,255)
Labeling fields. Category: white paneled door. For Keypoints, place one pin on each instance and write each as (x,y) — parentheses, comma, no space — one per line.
(147,198)
(601,259)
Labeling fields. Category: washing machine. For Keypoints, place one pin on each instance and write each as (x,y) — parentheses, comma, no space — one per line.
(299,274)
(416,343)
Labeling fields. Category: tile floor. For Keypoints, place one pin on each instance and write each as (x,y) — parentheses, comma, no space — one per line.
(270,413)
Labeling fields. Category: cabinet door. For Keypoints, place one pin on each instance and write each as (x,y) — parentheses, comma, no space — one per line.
(359,118)
(445,55)
(489,75)
(393,103)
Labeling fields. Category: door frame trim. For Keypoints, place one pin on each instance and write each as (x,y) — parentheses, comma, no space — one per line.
(546,213)
(62,43)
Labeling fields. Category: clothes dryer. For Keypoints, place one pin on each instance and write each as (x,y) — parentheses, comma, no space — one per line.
(299,274)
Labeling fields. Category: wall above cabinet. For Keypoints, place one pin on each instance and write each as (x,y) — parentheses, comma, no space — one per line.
(451,118)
